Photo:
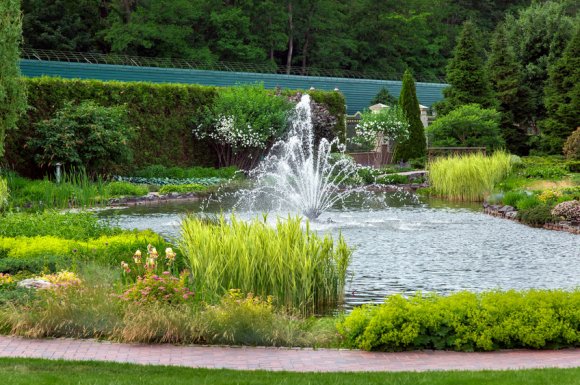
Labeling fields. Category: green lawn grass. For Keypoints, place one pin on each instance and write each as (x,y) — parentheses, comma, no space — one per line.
(19,371)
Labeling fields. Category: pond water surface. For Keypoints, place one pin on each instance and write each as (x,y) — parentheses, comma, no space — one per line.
(403,245)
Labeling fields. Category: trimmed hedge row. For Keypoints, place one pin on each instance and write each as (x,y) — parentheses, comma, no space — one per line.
(161,113)
(539,319)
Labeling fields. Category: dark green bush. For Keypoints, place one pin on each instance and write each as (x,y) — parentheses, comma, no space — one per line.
(539,319)
(86,136)
(536,215)
(160,113)
(544,172)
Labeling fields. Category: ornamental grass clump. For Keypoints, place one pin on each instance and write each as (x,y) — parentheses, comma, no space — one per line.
(300,269)
(468,177)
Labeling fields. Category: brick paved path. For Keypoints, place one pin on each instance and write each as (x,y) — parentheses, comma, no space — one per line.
(249,358)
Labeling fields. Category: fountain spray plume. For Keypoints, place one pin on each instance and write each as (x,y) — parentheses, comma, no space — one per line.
(300,175)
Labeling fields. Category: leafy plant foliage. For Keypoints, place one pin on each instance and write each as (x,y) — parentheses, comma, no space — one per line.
(86,136)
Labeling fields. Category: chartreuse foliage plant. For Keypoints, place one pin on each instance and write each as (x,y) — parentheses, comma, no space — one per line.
(467,321)
(300,269)
(49,252)
(4,193)
(468,177)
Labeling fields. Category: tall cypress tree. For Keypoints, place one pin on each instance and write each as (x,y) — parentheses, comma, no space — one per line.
(562,95)
(12,96)
(416,145)
(506,81)
(466,75)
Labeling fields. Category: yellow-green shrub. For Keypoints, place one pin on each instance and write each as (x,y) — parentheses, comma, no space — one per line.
(35,253)
(467,321)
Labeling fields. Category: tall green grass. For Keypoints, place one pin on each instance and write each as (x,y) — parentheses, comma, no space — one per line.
(301,270)
(76,189)
(3,193)
(468,177)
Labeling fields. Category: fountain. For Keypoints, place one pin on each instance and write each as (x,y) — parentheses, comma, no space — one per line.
(299,175)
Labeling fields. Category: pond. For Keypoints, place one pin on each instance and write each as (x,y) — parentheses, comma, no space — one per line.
(403,245)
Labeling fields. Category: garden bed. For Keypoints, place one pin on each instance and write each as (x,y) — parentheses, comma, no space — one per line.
(509,212)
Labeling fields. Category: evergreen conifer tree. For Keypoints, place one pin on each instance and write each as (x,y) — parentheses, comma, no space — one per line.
(506,81)
(466,75)
(12,96)
(384,97)
(416,144)
(562,95)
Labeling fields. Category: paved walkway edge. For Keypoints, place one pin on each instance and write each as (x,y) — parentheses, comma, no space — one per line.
(299,360)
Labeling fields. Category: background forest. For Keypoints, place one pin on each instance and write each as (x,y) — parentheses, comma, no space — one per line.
(362,35)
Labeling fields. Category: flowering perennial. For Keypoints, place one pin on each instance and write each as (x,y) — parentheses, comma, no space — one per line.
(389,122)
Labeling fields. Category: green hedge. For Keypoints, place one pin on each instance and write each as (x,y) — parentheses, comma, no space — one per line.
(161,113)
(540,319)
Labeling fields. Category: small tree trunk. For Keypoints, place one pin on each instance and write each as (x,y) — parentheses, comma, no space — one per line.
(290,39)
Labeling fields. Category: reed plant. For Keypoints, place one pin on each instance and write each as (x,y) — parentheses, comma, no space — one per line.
(468,177)
(300,269)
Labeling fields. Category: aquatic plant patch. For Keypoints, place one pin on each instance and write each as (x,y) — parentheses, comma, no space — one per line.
(468,177)
(539,319)
(300,269)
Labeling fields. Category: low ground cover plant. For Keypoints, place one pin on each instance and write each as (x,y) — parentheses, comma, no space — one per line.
(182,188)
(302,270)
(467,321)
(468,177)
(66,225)
(117,188)
(40,253)
(212,181)
(160,171)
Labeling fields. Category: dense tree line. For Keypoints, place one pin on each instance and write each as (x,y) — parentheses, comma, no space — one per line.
(529,74)
(363,35)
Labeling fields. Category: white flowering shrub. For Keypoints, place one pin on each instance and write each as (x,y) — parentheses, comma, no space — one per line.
(242,123)
(390,122)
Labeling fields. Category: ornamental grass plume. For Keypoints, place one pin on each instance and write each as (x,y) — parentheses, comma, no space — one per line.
(468,177)
(302,270)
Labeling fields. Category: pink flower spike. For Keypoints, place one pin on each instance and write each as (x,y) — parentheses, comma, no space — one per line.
(166,273)
(185,296)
